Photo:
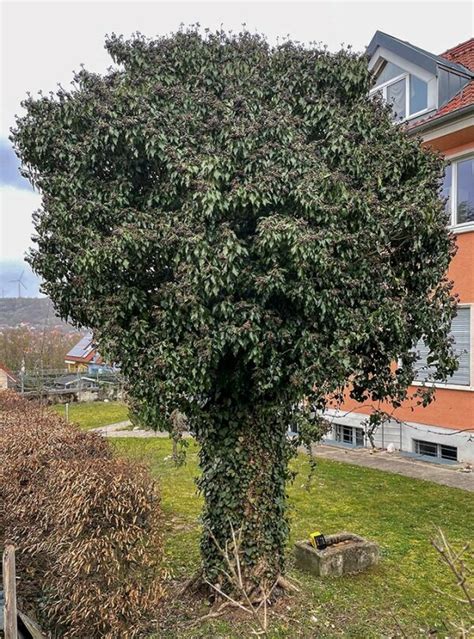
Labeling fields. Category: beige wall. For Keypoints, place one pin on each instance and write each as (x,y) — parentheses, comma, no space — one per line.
(3,380)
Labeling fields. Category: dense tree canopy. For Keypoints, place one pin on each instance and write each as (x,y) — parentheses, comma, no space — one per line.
(243,228)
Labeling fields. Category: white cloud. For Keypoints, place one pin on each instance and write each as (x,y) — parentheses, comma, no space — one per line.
(16,228)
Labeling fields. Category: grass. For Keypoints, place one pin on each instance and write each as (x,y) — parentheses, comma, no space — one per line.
(94,414)
(399,513)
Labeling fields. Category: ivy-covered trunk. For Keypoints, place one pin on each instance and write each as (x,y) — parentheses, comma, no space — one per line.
(244,461)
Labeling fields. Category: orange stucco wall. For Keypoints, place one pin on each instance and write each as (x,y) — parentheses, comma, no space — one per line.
(451,408)
(461,270)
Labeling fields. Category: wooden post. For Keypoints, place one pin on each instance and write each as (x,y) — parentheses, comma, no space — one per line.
(9,589)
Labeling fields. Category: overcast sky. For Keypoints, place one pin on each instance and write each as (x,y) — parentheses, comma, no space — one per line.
(43,42)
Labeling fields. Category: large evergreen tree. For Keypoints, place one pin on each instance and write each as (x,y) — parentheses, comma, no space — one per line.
(242,228)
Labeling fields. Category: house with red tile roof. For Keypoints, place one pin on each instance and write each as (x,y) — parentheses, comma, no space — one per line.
(433,96)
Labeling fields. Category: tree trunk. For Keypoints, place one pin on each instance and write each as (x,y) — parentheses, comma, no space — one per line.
(244,460)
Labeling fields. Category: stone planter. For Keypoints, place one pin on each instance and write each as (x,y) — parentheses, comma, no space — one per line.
(351,555)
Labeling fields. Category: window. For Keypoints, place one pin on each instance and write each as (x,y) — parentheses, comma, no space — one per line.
(465,191)
(407,93)
(432,449)
(448,452)
(388,71)
(418,94)
(426,448)
(396,96)
(350,435)
(458,188)
(446,191)
(461,332)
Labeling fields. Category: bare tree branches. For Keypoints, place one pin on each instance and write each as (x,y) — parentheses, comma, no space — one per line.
(456,560)
(457,565)
(253,602)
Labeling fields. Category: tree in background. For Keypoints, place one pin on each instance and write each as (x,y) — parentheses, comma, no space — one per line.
(242,228)
(37,349)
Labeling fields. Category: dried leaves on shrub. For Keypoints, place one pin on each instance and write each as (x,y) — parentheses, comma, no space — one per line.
(87,526)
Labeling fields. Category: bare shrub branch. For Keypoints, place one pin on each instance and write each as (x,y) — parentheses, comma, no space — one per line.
(457,563)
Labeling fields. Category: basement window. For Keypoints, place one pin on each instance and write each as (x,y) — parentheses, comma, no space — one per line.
(432,449)
(350,435)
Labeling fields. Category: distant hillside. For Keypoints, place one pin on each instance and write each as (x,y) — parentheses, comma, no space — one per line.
(37,312)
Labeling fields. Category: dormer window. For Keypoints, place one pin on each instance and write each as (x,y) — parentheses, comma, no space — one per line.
(407,93)
(415,82)
(388,72)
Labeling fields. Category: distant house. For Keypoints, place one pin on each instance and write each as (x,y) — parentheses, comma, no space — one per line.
(84,356)
(7,378)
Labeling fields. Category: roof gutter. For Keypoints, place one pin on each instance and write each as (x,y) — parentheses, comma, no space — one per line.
(443,119)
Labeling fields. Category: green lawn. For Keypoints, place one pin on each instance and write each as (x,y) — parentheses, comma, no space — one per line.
(94,414)
(399,513)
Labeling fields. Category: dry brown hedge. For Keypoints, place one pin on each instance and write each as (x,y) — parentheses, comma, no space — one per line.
(87,526)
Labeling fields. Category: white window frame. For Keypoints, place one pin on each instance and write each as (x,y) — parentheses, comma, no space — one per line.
(454,225)
(383,87)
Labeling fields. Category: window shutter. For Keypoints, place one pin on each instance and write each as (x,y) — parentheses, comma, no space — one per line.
(460,330)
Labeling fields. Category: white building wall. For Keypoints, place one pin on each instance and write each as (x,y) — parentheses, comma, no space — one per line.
(402,436)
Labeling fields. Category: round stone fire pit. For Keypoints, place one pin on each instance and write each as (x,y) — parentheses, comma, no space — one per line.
(346,553)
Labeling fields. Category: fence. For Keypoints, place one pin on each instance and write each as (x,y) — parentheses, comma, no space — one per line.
(57,386)
(10,626)
(13,622)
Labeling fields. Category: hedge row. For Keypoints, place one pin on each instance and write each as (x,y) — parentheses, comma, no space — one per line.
(87,526)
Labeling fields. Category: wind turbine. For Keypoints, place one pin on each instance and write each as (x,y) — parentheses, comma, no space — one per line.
(19,281)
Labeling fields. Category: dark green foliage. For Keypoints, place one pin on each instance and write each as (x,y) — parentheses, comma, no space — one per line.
(242,228)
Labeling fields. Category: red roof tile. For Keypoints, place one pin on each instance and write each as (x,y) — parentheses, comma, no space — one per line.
(462,54)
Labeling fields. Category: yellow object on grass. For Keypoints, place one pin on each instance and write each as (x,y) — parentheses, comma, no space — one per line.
(317,540)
